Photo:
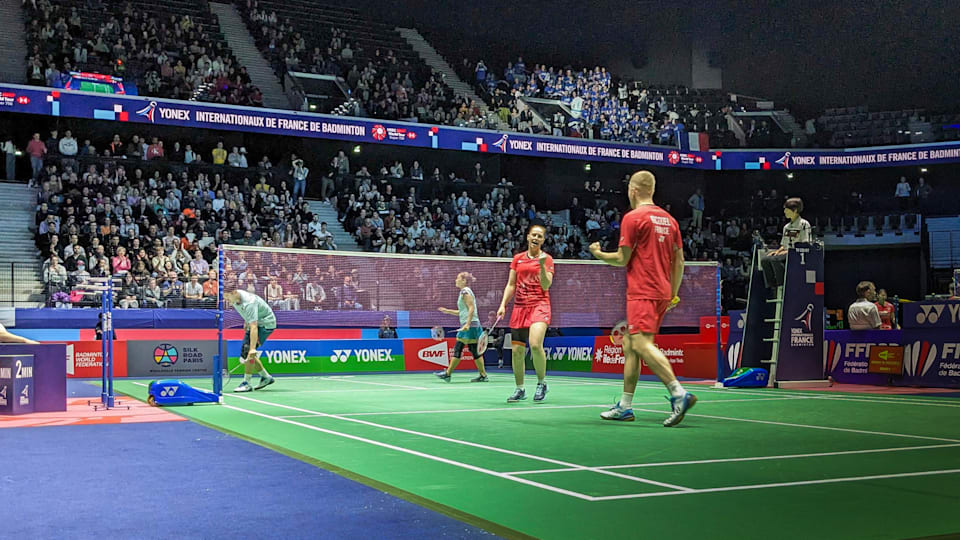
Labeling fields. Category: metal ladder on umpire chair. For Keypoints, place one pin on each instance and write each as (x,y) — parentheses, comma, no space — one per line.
(775,339)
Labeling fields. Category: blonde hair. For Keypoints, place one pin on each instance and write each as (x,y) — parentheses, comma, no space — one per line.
(467,276)
(644,181)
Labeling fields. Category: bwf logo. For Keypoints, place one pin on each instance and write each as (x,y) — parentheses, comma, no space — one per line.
(340,355)
(169,391)
(932,313)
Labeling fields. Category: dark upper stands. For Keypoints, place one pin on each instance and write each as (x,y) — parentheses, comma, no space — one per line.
(177,52)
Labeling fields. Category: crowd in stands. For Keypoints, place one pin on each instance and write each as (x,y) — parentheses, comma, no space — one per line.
(157,215)
(384,84)
(612,108)
(169,53)
(134,208)
(436,214)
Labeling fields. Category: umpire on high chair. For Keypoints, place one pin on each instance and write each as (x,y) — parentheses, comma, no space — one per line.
(774,262)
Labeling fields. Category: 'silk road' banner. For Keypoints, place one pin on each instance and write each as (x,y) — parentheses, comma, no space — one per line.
(169,358)
(119,108)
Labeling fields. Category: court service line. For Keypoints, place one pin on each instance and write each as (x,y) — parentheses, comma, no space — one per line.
(825,396)
(755,458)
(420,454)
(403,386)
(813,394)
(778,484)
(808,426)
(471,444)
(536,408)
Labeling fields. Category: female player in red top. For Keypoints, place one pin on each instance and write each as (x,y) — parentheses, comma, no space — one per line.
(887,312)
(531,274)
(651,249)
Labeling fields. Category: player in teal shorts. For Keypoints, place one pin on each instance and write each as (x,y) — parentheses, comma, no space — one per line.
(469,331)
(258,323)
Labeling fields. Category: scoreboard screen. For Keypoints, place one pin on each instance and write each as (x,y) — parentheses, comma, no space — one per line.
(101,84)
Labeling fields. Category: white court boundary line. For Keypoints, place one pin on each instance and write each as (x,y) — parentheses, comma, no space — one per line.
(813,394)
(677,490)
(778,484)
(403,386)
(470,444)
(809,426)
(566,380)
(754,458)
(419,454)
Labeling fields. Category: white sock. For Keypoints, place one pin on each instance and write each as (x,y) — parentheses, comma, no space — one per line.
(264,374)
(520,389)
(541,381)
(626,400)
(246,377)
(675,389)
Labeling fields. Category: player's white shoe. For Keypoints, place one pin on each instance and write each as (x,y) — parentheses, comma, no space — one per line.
(243,387)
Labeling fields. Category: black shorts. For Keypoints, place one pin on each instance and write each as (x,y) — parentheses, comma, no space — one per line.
(262,335)
(458,349)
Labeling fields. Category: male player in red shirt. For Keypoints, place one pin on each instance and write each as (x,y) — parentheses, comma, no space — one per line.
(652,251)
(531,274)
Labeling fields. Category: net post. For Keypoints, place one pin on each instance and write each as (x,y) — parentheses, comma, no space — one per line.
(109,337)
(719,312)
(219,359)
(103,348)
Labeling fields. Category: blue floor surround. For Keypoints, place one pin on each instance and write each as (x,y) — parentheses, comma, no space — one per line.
(183,480)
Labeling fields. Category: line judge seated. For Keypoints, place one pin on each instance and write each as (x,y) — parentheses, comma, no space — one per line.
(774,262)
(863,314)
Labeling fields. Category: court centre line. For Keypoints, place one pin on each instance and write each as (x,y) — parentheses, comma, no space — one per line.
(829,428)
(419,454)
(755,458)
(778,484)
(471,444)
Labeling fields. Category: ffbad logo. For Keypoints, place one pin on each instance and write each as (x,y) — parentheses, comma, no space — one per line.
(920,356)
(435,354)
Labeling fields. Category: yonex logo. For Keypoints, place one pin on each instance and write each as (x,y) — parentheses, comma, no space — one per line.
(340,355)
(169,391)
(930,314)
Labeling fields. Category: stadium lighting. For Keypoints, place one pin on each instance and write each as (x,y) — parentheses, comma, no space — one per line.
(356,149)
(789,176)
(923,169)
(586,167)
(313,107)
